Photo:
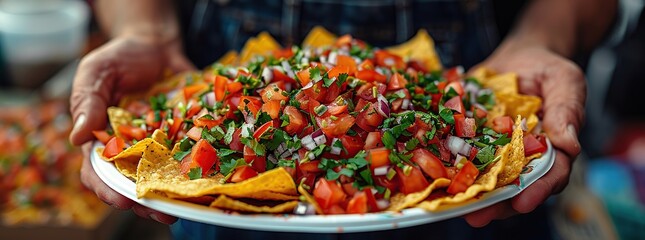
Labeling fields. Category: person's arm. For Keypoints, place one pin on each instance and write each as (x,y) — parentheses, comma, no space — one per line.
(566,27)
(550,32)
(152,18)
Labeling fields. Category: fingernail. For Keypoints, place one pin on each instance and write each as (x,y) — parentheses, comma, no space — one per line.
(572,133)
(154,217)
(80,121)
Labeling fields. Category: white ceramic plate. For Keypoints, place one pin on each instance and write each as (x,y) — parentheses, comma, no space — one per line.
(318,224)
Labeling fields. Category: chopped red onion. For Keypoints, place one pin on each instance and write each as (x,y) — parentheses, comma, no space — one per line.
(209,98)
(267,74)
(523,125)
(380,171)
(469,114)
(334,149)
(458,145)
(383,107)
(272,159)
(332,57)
(201,113)
(317,133)
(287,69)
(195,133)
(382,204)
(308,142)
(320,140)
(304,208)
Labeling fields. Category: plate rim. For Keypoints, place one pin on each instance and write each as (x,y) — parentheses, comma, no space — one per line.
(348,223)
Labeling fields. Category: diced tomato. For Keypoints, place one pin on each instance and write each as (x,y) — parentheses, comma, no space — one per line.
(473,153)
(347,61)
(366,65)
(330,93)
(392,184)
(337,70)
(207,122)
(236,145)
(193,108)
(378,157)
(370,75)
(344,40)
(478,112)
(153,121)
(234,87)
(371,200)
(327,193)
(464,178)
(296,120)
(358,203)
(456,86)
(316,92)
(243,173)
(335,127)
(102,136)
(532,145)
(464,127)
(429,163)
(258,163)
(369,119)
(273,93)
(131,133)
(444,152)
(310,167)
(334,109)
(219,88)
(456,104)
(334,209)
(253,104)
(373,140)
(453,74)
(503,124)
(349,188)
(397,81)
(262,129)
(352,144)
(272,108)
(304,76)
(174,128)
(113,147)
(386,59)
(412,182)
(282,53)
(418,66)
(366,91)
(195,133)
(191,90)
(202,155)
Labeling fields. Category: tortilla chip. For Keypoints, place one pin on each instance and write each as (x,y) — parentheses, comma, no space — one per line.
(223,202)
(118,116)
(310,199)
(420,48)
(516,159)
(531,122)
(258,46)
(319,37)
(523,105)
(534,156)
(159,172)
(498,110)
(267,42)
(160,137)
(482,74)
(229,58)
(401,201)
(127,167)
(502,84)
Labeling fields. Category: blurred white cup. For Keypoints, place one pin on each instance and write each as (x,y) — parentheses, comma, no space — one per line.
(38,37)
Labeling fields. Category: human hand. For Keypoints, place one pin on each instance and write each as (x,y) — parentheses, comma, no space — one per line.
(125,64)
(561,85)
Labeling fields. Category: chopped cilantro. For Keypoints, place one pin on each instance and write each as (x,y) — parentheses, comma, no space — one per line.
(195,173)
(388,140)
(229,133)
(258,148)
(411,144)
(227,167)
(446,114)
(285,120)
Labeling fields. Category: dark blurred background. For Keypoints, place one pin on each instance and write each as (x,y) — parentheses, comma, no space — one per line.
(606,196)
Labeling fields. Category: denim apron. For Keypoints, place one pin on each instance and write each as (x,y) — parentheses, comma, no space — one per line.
(463,30)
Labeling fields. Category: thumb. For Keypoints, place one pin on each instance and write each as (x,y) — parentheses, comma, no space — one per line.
(91,93)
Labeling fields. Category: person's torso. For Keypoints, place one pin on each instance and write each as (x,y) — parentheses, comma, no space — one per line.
(463,30)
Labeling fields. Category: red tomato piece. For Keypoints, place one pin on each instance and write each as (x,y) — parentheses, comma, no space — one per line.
(191,90)
(429,163)
(102,136)
(532,145)
(370,75)
(207,122)
(262,129)
(387,59)
(234,87)
(347,61)
(327,193)
(464,127)
(219,88)
(272,108)
(113,147)
(352,144)
(397,81)
(337,70)
(378,157)
(453,74)
(236,145)
(195,133)
(202,155)
(243,173)
(258,163)
(412,182)
(366,65)
(296,120)
(130,133)
(456,104)
(373,140)
(358,203)
(503,124)
(464,178)
(335,127)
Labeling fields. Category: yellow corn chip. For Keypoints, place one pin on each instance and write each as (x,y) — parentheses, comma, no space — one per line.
(229,58)
(421,48)
(531,122)
(523,105)
(223,202)
(319,37)
(401,201)
(118,116)
(502,84)
(160,137)
(310,199)
(127,167)
(498,110)
(516,159)
(482,74)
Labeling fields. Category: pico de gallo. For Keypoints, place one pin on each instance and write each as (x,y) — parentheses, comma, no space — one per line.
(352,124)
